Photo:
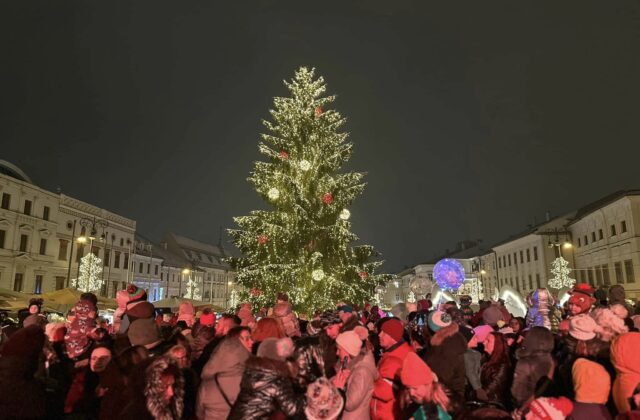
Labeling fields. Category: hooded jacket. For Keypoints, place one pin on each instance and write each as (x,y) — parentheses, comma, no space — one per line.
(534,363)
(288,322)
(446,358)
(384,404)
(221,378)
(266,388)
(624,355)
(359,387)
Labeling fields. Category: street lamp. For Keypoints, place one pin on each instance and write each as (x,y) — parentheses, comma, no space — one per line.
(185,272)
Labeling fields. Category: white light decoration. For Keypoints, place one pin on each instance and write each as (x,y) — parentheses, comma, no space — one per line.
(90,273)
(345,214)
(396,284)
(193,292)
(305,165)
(513,301)
(273,194)
(233,299)
(317,274)
(560,270)
(411,297)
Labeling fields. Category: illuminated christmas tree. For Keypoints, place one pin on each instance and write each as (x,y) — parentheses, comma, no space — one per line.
(193,291)
(304,245)
(90,274)
(234,299)
(560,270)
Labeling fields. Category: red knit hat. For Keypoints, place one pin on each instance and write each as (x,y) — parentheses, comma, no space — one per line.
(415,371)
(550,408)
(393,328)
(208,319)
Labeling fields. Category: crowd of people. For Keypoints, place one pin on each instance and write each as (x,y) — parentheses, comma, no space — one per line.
(428,360)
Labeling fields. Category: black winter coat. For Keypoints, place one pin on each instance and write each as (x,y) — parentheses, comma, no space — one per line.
(266,388)
(496,381)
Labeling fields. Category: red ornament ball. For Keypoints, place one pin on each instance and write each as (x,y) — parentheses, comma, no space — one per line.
(318,111)
(284,155)
(363,275)
(256,292)
(263,239)
(327,198)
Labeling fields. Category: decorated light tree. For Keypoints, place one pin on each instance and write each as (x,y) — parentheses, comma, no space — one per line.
(560,270)
(193,291)
(303,244)
(89,279)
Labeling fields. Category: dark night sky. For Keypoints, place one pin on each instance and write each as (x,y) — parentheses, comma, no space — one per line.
(470,119)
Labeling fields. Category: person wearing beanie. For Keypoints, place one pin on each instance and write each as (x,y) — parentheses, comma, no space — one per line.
(625,358)
(283,313)
(246,317)
(203,332)
(144,332)
(610,324)
(384,404)
(492,315)
(77,340)
(534,363)
(447,352)
(356,374)
(429,397)
(186,313)
(267,385)
(549,409)
(592,385)
(348,317)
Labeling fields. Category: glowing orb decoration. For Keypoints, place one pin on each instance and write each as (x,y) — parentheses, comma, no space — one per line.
(305,165)
(274,193)
(263,239)
(345,214)
(363,275)
(420,286)
(317,274)
(283,155)
(327,198)
(449,274)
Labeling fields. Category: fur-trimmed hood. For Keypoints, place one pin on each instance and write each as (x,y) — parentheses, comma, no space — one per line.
(154,391)
(443,333)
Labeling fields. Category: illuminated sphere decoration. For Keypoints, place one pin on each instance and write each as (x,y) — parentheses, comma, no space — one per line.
(345,214)
(273,194)
(420,286)
(305,165)
(449,274)
(317,274)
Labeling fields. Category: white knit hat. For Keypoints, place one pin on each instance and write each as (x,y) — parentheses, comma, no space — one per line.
(583,327)
(350,342)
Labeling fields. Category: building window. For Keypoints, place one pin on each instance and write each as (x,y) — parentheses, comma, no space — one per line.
(156,270)
(148,268)
(62,251)
(43,246)
(598,275)
(6,201)
(79,252)
(521,257)
(116,260)
(17,283)
(23,243)
(623,226)
(59,282)
(530,282)
(613,230)
(27,207)
(618,269)
(397,297)
(38,286)
(593,236)
(605,274)
(504,261)
(95,251)
(509,260)
(528,255)
(600,235)
(535,253)
(126,261)
(628,268)
(161,276)
(579,242)
(3,234)
(45,213)
(515,259)
(107,255)
(586,241)
(103,288)
(140,267)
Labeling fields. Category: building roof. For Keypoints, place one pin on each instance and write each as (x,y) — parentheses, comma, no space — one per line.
(196,252)
(13,171)
(602,202)
(169,258)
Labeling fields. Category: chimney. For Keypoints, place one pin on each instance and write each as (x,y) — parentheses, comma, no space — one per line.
(547,216)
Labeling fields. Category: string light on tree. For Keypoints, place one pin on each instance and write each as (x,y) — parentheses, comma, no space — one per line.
(411,297)
(560,271)
(234,298)
(311,252)
(90,274)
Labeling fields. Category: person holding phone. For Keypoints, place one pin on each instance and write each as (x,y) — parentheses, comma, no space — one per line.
(356,375)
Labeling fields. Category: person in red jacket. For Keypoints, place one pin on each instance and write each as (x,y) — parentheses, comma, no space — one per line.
(384,405)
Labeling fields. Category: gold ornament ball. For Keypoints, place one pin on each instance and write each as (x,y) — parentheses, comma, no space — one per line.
(345,214)
(317,274)
(305,165)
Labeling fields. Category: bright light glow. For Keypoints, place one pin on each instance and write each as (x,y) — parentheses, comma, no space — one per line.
(483,272)
(449,274)
(317,274)
(345,214)
(186,271)
(90,271)
(273,194)
(230,283)
(305,165)
(511,298)
(193,292)
(567,245)
(82,239)
(396,284)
